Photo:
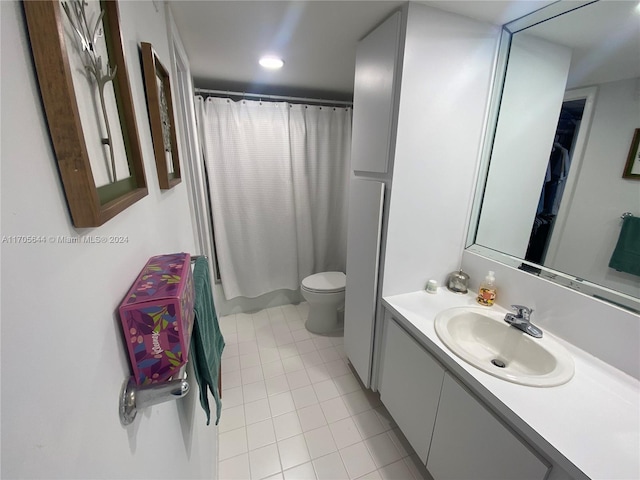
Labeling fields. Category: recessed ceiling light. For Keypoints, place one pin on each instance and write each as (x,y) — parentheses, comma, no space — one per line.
(271,62)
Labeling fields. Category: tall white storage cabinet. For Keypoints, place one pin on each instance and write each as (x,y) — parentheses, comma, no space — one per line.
(376,66)
(363,247)
(374,94)
(420,96)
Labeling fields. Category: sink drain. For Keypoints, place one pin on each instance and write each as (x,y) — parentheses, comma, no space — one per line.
(498,363)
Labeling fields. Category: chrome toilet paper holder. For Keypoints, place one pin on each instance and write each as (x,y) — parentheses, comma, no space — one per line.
(136,397)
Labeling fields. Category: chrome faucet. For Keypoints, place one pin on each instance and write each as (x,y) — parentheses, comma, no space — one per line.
(522,320)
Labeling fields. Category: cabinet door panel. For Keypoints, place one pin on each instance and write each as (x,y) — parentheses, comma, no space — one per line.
(470,443)
(373,97)
(410,387)
(363,250)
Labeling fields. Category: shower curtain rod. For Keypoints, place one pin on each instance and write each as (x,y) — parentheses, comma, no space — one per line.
(271,97)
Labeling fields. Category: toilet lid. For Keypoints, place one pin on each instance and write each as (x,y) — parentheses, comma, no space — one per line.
(325,282)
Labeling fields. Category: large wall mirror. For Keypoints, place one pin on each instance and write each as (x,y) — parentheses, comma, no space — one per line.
(564,116)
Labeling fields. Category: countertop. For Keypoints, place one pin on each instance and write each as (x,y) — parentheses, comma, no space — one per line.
(589,426)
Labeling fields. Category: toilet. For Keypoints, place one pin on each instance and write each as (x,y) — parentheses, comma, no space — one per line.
(324,292)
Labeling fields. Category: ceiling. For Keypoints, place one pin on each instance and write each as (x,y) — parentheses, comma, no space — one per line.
(316,39)
(604,40)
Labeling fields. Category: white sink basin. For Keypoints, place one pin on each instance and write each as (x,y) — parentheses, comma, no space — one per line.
(482,338)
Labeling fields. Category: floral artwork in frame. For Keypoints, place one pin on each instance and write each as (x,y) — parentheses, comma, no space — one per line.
(632,168)
(80,64)
(161,117)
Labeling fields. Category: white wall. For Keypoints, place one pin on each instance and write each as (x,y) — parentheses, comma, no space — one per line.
(524,136)
(447,71)
(63,356)
(593,225)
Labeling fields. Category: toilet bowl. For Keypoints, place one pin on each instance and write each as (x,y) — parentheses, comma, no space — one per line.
(324,292)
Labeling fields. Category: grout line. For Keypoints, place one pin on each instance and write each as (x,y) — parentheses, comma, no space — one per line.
(276,317)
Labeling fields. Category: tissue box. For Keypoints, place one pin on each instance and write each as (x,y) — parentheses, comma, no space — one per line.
(157,318)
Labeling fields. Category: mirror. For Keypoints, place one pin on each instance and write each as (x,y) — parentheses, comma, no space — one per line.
(564,116)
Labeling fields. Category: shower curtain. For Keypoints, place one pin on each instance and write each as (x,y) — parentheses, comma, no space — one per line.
(278,175)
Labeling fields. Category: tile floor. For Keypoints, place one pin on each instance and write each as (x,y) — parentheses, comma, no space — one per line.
(293,408)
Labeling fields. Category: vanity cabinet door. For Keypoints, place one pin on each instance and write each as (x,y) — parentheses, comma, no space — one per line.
(470,443)
(410,386)
(373,96)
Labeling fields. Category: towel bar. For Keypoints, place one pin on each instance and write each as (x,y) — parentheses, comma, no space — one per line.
(134,397)
(626,214)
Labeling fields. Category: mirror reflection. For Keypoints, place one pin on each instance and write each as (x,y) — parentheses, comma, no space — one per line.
(554,194)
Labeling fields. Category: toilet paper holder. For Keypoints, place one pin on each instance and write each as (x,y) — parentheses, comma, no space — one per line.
(136,397)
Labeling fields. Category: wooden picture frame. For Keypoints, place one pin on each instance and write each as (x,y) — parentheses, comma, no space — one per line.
(161,117)
(632,167)
(89,205)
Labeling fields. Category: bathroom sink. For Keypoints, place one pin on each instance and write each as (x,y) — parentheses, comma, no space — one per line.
(482,338)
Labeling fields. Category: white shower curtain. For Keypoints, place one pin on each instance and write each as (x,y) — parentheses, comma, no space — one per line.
(278,175)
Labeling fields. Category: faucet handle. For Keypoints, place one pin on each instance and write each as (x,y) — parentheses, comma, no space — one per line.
(522,311)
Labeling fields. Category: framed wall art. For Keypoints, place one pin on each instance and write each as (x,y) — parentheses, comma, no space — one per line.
(163,130)
(632,167)
(80,64)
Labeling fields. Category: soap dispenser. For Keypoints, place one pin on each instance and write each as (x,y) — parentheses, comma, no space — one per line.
(487,291)
(458,282)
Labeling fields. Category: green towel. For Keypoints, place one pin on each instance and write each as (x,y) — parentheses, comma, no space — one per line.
(207,342)
(626,255)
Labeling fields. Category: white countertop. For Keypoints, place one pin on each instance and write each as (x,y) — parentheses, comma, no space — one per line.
(593,421)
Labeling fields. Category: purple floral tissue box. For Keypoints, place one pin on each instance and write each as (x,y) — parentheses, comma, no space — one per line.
(157,318)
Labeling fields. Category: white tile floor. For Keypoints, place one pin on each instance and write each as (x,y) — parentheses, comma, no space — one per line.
(293,409)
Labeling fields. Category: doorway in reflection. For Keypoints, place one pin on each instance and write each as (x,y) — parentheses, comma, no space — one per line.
(555,179)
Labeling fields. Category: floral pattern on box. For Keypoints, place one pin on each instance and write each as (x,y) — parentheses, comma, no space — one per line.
(157,318)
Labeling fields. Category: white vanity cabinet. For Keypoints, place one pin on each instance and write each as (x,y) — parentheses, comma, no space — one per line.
(469,442)
(452,432)
(410,383)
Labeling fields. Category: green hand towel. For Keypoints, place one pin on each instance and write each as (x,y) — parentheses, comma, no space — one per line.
(626,255)
(207,342)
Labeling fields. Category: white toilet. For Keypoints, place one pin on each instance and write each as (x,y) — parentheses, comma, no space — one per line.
(325,294)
